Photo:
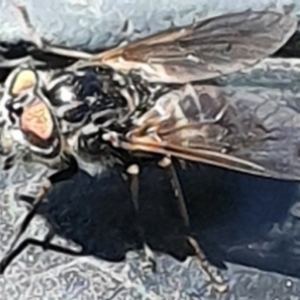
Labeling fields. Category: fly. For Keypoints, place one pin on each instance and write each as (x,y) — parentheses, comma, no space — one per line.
(146,101)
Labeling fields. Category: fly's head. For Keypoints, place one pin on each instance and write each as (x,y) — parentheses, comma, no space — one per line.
(29,129)
(48,115)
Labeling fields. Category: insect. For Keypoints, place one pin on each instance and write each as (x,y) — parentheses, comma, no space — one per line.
(144,101)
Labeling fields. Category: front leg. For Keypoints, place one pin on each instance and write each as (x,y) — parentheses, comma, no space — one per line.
(36,202)
(11,252)
(44,244)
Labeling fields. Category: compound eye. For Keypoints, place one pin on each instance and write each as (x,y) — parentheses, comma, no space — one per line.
(36,119)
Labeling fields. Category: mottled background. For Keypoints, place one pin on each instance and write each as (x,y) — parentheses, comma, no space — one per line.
(247,224)
(91,24)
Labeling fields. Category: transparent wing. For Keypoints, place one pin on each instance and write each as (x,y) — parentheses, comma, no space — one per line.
(239,130)
(208,49)
(204,50)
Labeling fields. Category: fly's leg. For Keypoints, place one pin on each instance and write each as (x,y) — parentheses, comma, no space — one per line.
(9,256)
(218,284)
(133,172)
(36,202)
(16,62)
(44,244)
(39,42)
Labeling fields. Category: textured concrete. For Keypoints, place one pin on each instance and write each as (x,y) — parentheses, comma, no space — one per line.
(93,24)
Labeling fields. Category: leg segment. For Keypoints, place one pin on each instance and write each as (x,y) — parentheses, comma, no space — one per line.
(205,265)
(10,254)
(40,43)
(16,62)
(45,244)
(133,172)
(37,201)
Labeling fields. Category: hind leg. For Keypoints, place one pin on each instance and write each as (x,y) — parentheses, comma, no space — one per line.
(207,268)
(133,172)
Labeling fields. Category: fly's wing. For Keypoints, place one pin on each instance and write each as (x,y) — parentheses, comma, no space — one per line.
(256,134)
(205,50)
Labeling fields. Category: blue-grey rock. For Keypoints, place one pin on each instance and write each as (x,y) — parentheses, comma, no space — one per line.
(94,24)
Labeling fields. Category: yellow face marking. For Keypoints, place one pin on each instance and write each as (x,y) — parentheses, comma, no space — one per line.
(24,80)
(37,119)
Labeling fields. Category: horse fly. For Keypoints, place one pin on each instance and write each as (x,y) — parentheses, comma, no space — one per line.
(145,100)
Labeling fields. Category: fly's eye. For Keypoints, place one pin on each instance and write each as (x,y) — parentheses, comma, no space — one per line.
(36,119)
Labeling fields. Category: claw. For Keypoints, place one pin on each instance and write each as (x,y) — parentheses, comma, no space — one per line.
(216,281)
(150,258)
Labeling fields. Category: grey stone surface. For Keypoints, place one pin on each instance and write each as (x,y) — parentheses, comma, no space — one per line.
(249,224)
(94,24)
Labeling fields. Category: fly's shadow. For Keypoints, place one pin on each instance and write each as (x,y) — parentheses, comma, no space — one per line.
(234,217)
(99,215)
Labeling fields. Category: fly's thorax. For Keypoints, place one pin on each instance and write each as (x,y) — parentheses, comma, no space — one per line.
(86,103)
(97,101)
(93,154)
